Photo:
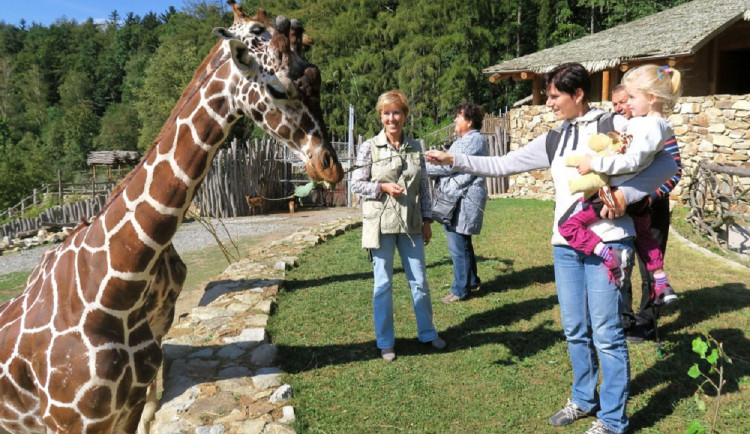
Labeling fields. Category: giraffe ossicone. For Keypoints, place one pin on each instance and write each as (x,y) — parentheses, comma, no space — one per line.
(80,347)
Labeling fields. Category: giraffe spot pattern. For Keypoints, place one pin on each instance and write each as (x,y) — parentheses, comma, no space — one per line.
(154,222)
(97,400)
(129,254)
(166,189)
(122,295)
(103,328)
(213,131)
(192,160)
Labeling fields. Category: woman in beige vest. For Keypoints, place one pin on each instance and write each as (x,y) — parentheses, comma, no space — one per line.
(391,181)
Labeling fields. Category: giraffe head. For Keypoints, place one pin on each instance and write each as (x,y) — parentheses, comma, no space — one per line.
(278,89)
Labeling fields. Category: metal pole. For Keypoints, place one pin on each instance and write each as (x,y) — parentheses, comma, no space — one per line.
(350,142)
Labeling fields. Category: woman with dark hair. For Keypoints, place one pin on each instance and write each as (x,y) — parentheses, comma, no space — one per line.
(590,305)
(470,193)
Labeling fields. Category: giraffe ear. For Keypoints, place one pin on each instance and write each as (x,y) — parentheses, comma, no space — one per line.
(242,58)
(222,33)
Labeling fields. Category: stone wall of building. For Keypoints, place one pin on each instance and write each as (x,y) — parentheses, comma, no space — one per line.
(714,128)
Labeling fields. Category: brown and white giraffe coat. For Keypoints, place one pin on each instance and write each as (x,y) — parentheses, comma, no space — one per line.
(80,346)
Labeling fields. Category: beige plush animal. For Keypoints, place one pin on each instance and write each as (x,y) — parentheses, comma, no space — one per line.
(604,145)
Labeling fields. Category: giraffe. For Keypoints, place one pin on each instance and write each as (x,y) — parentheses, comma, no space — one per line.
(81,345)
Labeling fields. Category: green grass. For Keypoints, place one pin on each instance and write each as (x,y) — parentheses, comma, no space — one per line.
(507,368)
(12,284)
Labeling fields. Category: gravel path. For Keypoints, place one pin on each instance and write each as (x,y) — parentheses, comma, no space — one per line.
(192,236)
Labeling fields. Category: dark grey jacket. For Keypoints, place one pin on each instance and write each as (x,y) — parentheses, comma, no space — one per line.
(470,211)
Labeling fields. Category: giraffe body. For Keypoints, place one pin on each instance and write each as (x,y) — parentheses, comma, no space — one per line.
(81,345)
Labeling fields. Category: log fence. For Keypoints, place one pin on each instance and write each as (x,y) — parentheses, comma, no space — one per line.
(495,129)
(719,201)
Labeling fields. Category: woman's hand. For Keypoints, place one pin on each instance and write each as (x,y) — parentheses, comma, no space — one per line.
(584,166)
(426,232)
(439,158)
(393,189)
(619,210)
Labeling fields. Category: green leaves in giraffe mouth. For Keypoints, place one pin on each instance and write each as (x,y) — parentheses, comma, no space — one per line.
(305,190)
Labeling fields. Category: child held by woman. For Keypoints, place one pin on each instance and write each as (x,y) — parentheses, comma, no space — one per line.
(652,92)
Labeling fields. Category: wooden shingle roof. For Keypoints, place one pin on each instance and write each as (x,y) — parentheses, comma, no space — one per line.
(675,32)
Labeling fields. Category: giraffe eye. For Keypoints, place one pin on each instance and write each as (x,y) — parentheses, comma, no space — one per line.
(258,29)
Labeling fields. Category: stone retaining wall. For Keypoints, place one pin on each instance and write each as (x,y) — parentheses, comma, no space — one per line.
(715,128)
(221,373)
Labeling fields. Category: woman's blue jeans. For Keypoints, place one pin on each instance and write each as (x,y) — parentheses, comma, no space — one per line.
(591,309)
(461,250)
(413,261)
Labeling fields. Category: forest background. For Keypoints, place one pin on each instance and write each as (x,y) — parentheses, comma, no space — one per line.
(74,87)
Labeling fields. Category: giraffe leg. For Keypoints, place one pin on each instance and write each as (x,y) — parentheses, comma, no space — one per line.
(163,291)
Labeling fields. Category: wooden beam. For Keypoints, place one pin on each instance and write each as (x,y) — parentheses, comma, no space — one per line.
(536,94)
(605,85)
(494,78)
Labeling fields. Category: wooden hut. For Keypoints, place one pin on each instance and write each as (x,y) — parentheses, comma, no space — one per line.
(707,40)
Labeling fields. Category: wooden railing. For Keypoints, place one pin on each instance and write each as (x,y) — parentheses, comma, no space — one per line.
(61,190)
(719,200)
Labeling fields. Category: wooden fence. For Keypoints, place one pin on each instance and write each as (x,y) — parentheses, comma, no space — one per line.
(254,168)
(68,215)
(719,201)
(495,129)
(60,189)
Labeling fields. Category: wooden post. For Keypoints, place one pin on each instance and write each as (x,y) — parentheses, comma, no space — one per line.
(605,85)
(59,187)
(536,98)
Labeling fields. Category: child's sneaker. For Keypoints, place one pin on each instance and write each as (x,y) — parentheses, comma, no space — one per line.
(618,266)
(664,297)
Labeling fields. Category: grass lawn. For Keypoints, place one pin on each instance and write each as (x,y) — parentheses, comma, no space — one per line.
(506,368)
(12,284)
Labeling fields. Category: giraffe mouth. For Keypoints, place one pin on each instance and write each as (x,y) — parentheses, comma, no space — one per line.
(324,165)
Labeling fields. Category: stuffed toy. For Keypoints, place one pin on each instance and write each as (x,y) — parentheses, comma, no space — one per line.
(604,145)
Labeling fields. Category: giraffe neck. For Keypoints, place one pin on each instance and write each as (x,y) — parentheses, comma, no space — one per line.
(141,221)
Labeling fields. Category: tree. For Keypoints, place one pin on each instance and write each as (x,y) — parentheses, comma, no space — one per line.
(183,45)
(119,129)
(21,166)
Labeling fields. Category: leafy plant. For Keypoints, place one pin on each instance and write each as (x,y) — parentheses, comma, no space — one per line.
(712,352)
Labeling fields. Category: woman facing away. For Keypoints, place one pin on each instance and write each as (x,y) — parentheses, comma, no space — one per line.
(471,193)
(392,183)
(590,304)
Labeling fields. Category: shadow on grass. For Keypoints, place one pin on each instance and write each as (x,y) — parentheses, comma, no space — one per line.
(468,334)
(517,279)
(294,285)
(696,307)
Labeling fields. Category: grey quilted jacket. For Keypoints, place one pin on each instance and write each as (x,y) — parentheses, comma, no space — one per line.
(471,205)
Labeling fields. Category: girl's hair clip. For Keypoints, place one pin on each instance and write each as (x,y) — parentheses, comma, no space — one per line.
(664,68)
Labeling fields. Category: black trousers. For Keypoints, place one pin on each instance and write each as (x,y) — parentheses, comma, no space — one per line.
(660,218)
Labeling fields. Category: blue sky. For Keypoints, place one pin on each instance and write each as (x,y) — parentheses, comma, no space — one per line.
(45,12)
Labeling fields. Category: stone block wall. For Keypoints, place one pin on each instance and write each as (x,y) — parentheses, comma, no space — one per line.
(714,128)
